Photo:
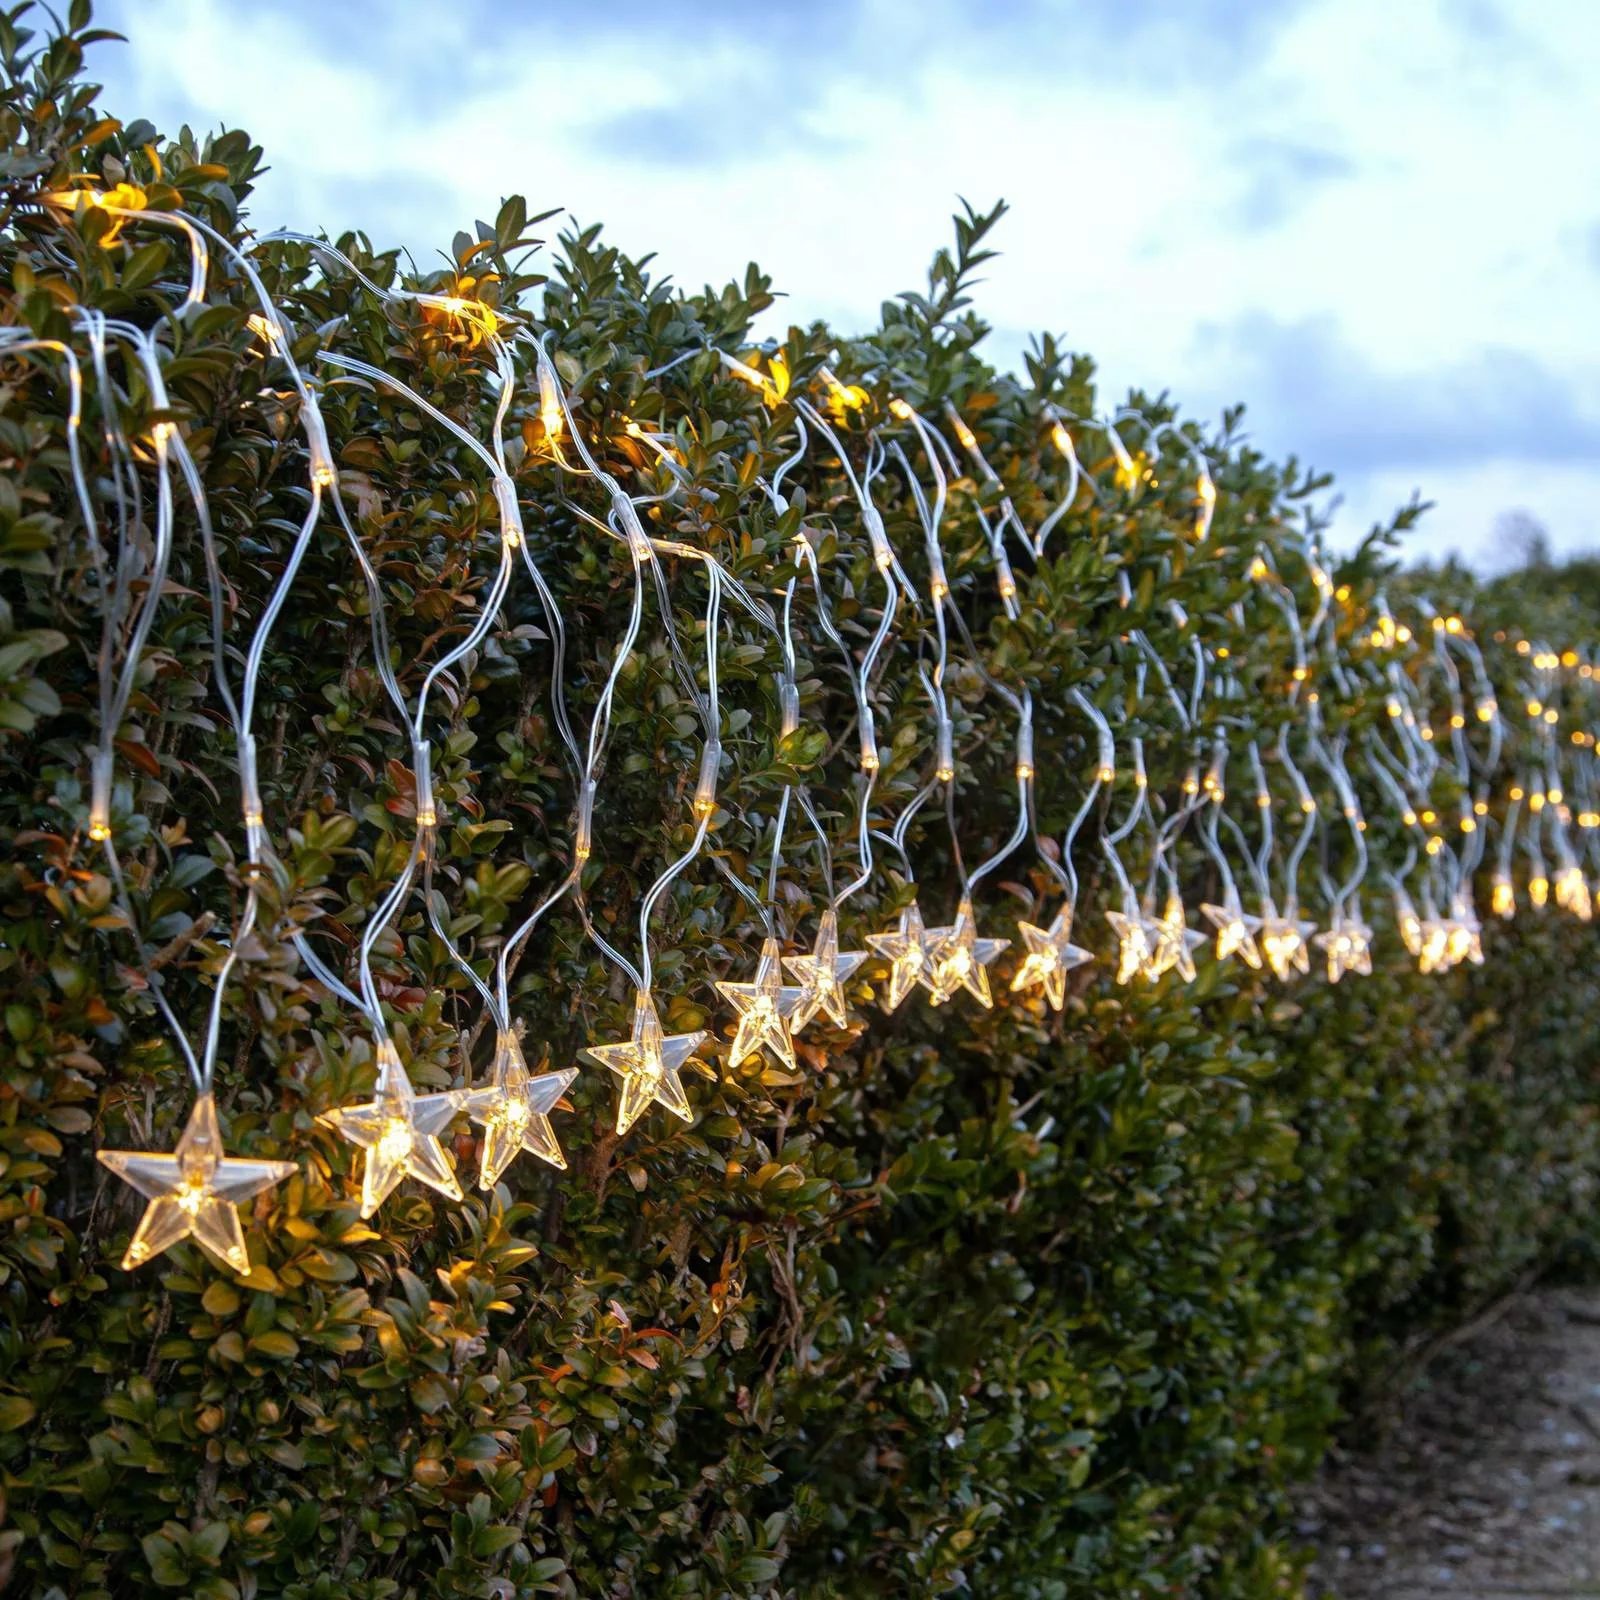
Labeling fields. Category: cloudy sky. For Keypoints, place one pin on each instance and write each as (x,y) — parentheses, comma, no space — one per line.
(1376,222)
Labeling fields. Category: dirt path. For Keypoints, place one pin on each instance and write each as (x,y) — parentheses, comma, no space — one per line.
(1488,1484)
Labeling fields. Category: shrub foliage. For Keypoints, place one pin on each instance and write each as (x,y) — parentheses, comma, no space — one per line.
(1029,1303)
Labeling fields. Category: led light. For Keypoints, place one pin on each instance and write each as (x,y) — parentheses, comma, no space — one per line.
(1133,943)
(964,434)
(514,1111)
(908,950)
(1538,888)
(764,1007)
(194,1192)
(1235,930)
(959,958)
(901,410)
(399,1130)
(551,416)
(1063,440)
(1051,955)
(1173,943)
(648,1062)
(1503,896)
(822,976)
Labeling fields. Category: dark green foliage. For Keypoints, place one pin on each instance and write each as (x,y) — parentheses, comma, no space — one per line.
(1039,1306)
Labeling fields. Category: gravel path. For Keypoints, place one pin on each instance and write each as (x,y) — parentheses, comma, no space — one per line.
(1487,1486)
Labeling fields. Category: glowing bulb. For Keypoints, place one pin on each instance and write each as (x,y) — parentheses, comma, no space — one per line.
(1538,888)
(1503,896)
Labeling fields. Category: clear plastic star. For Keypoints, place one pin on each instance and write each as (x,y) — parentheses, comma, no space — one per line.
(1236,930)
(764,1008)
(1283,942)
(909,950)
(194,1191)
(1466,932)
(960,959)
(1172,942)
(1051,956)
(1133,943)
(648,1064)
(1348,947)
(823,975)
(399,1129)
(513,1109)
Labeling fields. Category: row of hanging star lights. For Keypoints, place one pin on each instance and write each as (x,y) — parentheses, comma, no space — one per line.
(194,1192)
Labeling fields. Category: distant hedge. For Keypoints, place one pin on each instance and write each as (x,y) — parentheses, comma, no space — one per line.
(1019,1302)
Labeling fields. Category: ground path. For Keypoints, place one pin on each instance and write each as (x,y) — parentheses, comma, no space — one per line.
(1487,1486)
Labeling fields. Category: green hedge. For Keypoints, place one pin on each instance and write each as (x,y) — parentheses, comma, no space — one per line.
(1028,1303)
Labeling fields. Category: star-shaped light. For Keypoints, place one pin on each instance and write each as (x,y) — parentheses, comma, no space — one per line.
(1347,945)
(764,1008)
(513,1109)
(1571,890)
(1236,931)
(1051,956)
(960,959)
(1409,923)
(1283,942)
(648,1064)
(193,1191)
(1172,942)
(823,975)
(1133,942)
(909,950)
(399,1129)
(1466,932)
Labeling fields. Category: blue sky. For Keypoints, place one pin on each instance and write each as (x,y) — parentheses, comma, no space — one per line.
(1375,222)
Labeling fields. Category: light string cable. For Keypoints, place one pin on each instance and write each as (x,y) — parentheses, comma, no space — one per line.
(822,974)
(1129,924)
(512,540)
(961,957)
(323,475)
(1019,699)
(1173,942)
(115,688)
(894,580)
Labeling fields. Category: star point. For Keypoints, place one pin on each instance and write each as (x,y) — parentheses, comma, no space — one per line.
(513,1110)
(1347,945)
(1051,955)
(1283,942)
(648,1063)
(1173,942)
(822,976)
(195,1191)
(1133,942)
(764,1007)
(959,959)
(1236,931)
(909,950)
(399,1130)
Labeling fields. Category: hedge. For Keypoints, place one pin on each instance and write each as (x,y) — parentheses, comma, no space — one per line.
(1022,1301)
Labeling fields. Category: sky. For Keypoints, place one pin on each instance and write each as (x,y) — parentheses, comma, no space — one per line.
(1376,223)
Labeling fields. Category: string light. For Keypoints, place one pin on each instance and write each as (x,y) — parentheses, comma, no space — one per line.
(514,1111)
(960,959)
(1051,955)
(194,1192)
(399,1130)
(648,1063)
(764,1007)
